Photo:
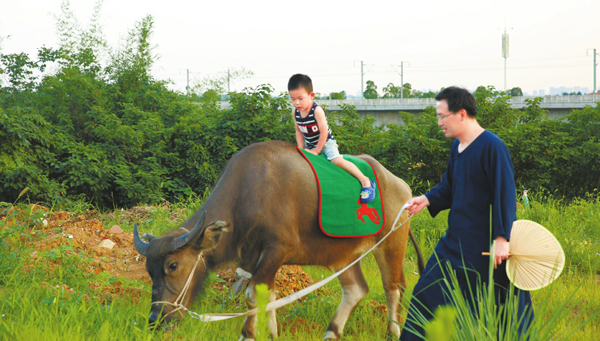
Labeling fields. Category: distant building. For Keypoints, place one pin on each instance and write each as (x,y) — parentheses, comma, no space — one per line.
(542,92)
(535,92)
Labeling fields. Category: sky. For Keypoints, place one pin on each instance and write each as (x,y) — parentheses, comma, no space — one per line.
(438,42)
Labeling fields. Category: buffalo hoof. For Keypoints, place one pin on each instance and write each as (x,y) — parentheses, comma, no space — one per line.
(329,335)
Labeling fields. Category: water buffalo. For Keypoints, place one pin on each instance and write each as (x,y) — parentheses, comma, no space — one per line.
(263,214)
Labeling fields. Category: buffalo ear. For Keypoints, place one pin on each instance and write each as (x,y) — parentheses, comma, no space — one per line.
(210,236)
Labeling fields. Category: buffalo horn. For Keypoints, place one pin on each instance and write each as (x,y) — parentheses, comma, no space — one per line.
(181,241)
(140,245)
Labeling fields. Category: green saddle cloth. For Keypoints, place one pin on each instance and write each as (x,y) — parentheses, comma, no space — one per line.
(341,214)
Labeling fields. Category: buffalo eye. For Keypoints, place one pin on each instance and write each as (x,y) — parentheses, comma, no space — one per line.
(173,267)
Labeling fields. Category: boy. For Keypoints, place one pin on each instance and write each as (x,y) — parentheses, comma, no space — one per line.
(313,133)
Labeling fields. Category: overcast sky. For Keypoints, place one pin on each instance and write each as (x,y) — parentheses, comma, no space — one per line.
(441,42)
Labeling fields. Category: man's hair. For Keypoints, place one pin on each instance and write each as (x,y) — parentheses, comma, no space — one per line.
(458,98)
(300,81)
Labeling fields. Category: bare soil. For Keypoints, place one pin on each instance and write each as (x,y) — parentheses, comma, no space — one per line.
(84,233)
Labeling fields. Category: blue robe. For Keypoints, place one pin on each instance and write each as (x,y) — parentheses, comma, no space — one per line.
(479,177)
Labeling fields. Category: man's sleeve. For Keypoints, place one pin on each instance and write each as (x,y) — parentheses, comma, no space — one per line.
(502,183)
(440,197)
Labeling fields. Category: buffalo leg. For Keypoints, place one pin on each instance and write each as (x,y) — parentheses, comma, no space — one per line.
(265,273)
(354,289)
(390,258)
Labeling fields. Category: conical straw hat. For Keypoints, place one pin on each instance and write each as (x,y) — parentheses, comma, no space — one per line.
(536,257)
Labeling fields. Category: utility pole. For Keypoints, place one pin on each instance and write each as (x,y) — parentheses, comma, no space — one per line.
(401,73)
(187,87)
(505,53)
(228,81)
(401,80)
(595,64)
(362,82)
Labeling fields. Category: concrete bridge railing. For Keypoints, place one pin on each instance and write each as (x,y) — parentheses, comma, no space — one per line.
(385,110)
(421,103)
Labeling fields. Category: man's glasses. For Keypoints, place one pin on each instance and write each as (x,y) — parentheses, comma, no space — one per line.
(443,117)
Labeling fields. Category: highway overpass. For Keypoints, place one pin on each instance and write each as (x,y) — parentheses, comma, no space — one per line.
(385,110)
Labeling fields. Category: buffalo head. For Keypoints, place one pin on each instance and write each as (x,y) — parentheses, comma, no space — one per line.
(169,262)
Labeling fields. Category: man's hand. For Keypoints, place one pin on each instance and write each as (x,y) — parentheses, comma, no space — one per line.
(501,252)
(416,204)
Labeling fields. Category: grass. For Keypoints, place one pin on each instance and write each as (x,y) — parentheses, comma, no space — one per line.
(57,303)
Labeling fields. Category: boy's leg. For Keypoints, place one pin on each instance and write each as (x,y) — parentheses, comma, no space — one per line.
(331,151)
(352,169)
(367,193)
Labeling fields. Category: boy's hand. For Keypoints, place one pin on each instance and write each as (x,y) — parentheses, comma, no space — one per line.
(312,151)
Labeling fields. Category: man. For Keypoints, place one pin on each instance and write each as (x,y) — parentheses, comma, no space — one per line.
(478,182)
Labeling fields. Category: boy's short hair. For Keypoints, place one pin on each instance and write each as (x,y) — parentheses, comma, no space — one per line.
(300,81)
(458,98)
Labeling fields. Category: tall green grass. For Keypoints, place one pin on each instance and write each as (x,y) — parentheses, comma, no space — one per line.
(477,317)
(35,306)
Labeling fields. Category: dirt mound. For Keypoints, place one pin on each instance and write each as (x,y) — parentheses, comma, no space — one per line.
(288,280)
(75,234)
(83,234)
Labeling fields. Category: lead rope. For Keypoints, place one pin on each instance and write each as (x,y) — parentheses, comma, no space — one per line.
(277,303)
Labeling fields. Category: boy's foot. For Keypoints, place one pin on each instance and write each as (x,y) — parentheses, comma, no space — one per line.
(367,194)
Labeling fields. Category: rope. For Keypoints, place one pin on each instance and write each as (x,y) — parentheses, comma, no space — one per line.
(277,303)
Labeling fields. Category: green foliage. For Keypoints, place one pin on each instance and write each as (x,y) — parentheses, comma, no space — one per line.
(439,328)
(113,136)
(416,151)
(516,91)
(371,91)
(19,69)
(420,94)
(354,135)
(406,91)
(262,318)
(392,91)
(338,95)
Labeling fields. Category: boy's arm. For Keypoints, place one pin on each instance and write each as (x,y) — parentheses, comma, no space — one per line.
(323,128)
(299,136)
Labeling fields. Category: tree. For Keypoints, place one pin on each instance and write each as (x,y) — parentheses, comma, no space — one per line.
(420,94)
(391,91)
(516,91)
(407,90)
(371,92)
(338,95)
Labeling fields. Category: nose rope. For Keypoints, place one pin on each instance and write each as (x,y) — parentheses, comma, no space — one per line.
(179,301)
(277,303)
